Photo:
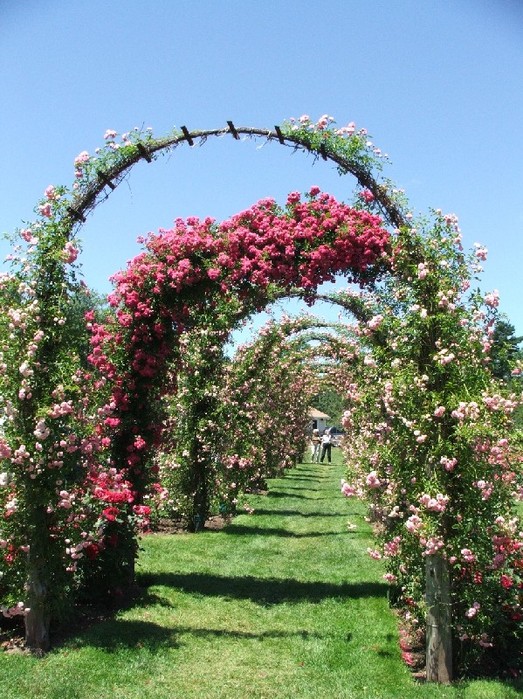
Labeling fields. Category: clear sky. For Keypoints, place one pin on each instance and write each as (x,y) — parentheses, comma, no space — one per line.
(437,83)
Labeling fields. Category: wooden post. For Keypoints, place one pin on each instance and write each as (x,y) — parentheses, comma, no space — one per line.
(439,636)
(38,618)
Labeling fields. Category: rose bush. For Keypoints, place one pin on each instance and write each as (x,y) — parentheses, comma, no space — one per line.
(433,447)
(438,457)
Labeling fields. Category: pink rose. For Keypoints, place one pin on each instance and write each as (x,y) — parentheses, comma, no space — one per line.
(82,158)
(70,253)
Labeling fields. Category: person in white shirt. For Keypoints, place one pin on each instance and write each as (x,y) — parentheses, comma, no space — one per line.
(326,446)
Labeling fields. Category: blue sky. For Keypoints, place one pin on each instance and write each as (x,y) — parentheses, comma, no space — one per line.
(438,84)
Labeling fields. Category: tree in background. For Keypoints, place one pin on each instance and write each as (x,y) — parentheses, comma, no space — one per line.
(330,401)
(504,349)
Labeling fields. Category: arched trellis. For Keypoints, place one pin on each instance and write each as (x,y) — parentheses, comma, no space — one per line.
(238,263)
(39,384)
(280,366)
(106,177)
(109,177)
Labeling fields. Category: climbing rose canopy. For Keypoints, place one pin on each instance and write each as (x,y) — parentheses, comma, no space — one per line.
(183,269)
(303,245)
(201,273)
(429,356)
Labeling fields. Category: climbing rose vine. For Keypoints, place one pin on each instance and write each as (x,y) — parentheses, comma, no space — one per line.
(175,284)
(90,452)
(433,447)
(438,457)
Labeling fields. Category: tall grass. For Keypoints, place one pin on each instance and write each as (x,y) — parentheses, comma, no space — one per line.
(280,604)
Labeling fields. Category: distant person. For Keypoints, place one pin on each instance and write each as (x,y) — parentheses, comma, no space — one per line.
(326,446)
(315,445)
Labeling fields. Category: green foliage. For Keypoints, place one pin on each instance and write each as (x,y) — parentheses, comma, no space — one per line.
(231,424)
(295,607)
(433,446)
(81,301)
(505,349)
(433,443)
(354,147)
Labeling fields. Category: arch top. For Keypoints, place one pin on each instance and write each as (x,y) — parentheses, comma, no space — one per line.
(98,176)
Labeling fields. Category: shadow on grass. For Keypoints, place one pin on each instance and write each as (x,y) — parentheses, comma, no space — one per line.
(225,633)
(466,684)
(297,513)
(279,494)
(263,591)
(307,489)
(113,635)
(307,478)
(241,530)
(312,468)
(282,494)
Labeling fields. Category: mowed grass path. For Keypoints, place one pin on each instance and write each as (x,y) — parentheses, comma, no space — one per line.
(281,604)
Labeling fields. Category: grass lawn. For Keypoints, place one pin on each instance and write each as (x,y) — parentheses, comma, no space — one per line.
(281,604)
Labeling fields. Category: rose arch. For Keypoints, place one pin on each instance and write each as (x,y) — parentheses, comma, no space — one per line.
(203,275)
(431,424)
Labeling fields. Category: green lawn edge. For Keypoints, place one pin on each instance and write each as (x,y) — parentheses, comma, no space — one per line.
(281,603)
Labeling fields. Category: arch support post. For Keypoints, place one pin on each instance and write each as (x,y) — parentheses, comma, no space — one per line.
(439,629)
(39,593)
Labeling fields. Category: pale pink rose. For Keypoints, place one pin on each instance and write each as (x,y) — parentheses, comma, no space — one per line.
(480,252)
(436,504)
(413,523)
(373,553)
(25,369)
(422,270)
(448,464)
(323,122)
(470,613)
(28,236)
(50,193)
(433,545)
(347,489)
(82,158)
(42,431)
(492,299)
(468,556)
(372,480)
(375,322)
(70,253)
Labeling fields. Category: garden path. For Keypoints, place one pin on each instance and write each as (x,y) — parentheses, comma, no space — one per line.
(283,603)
